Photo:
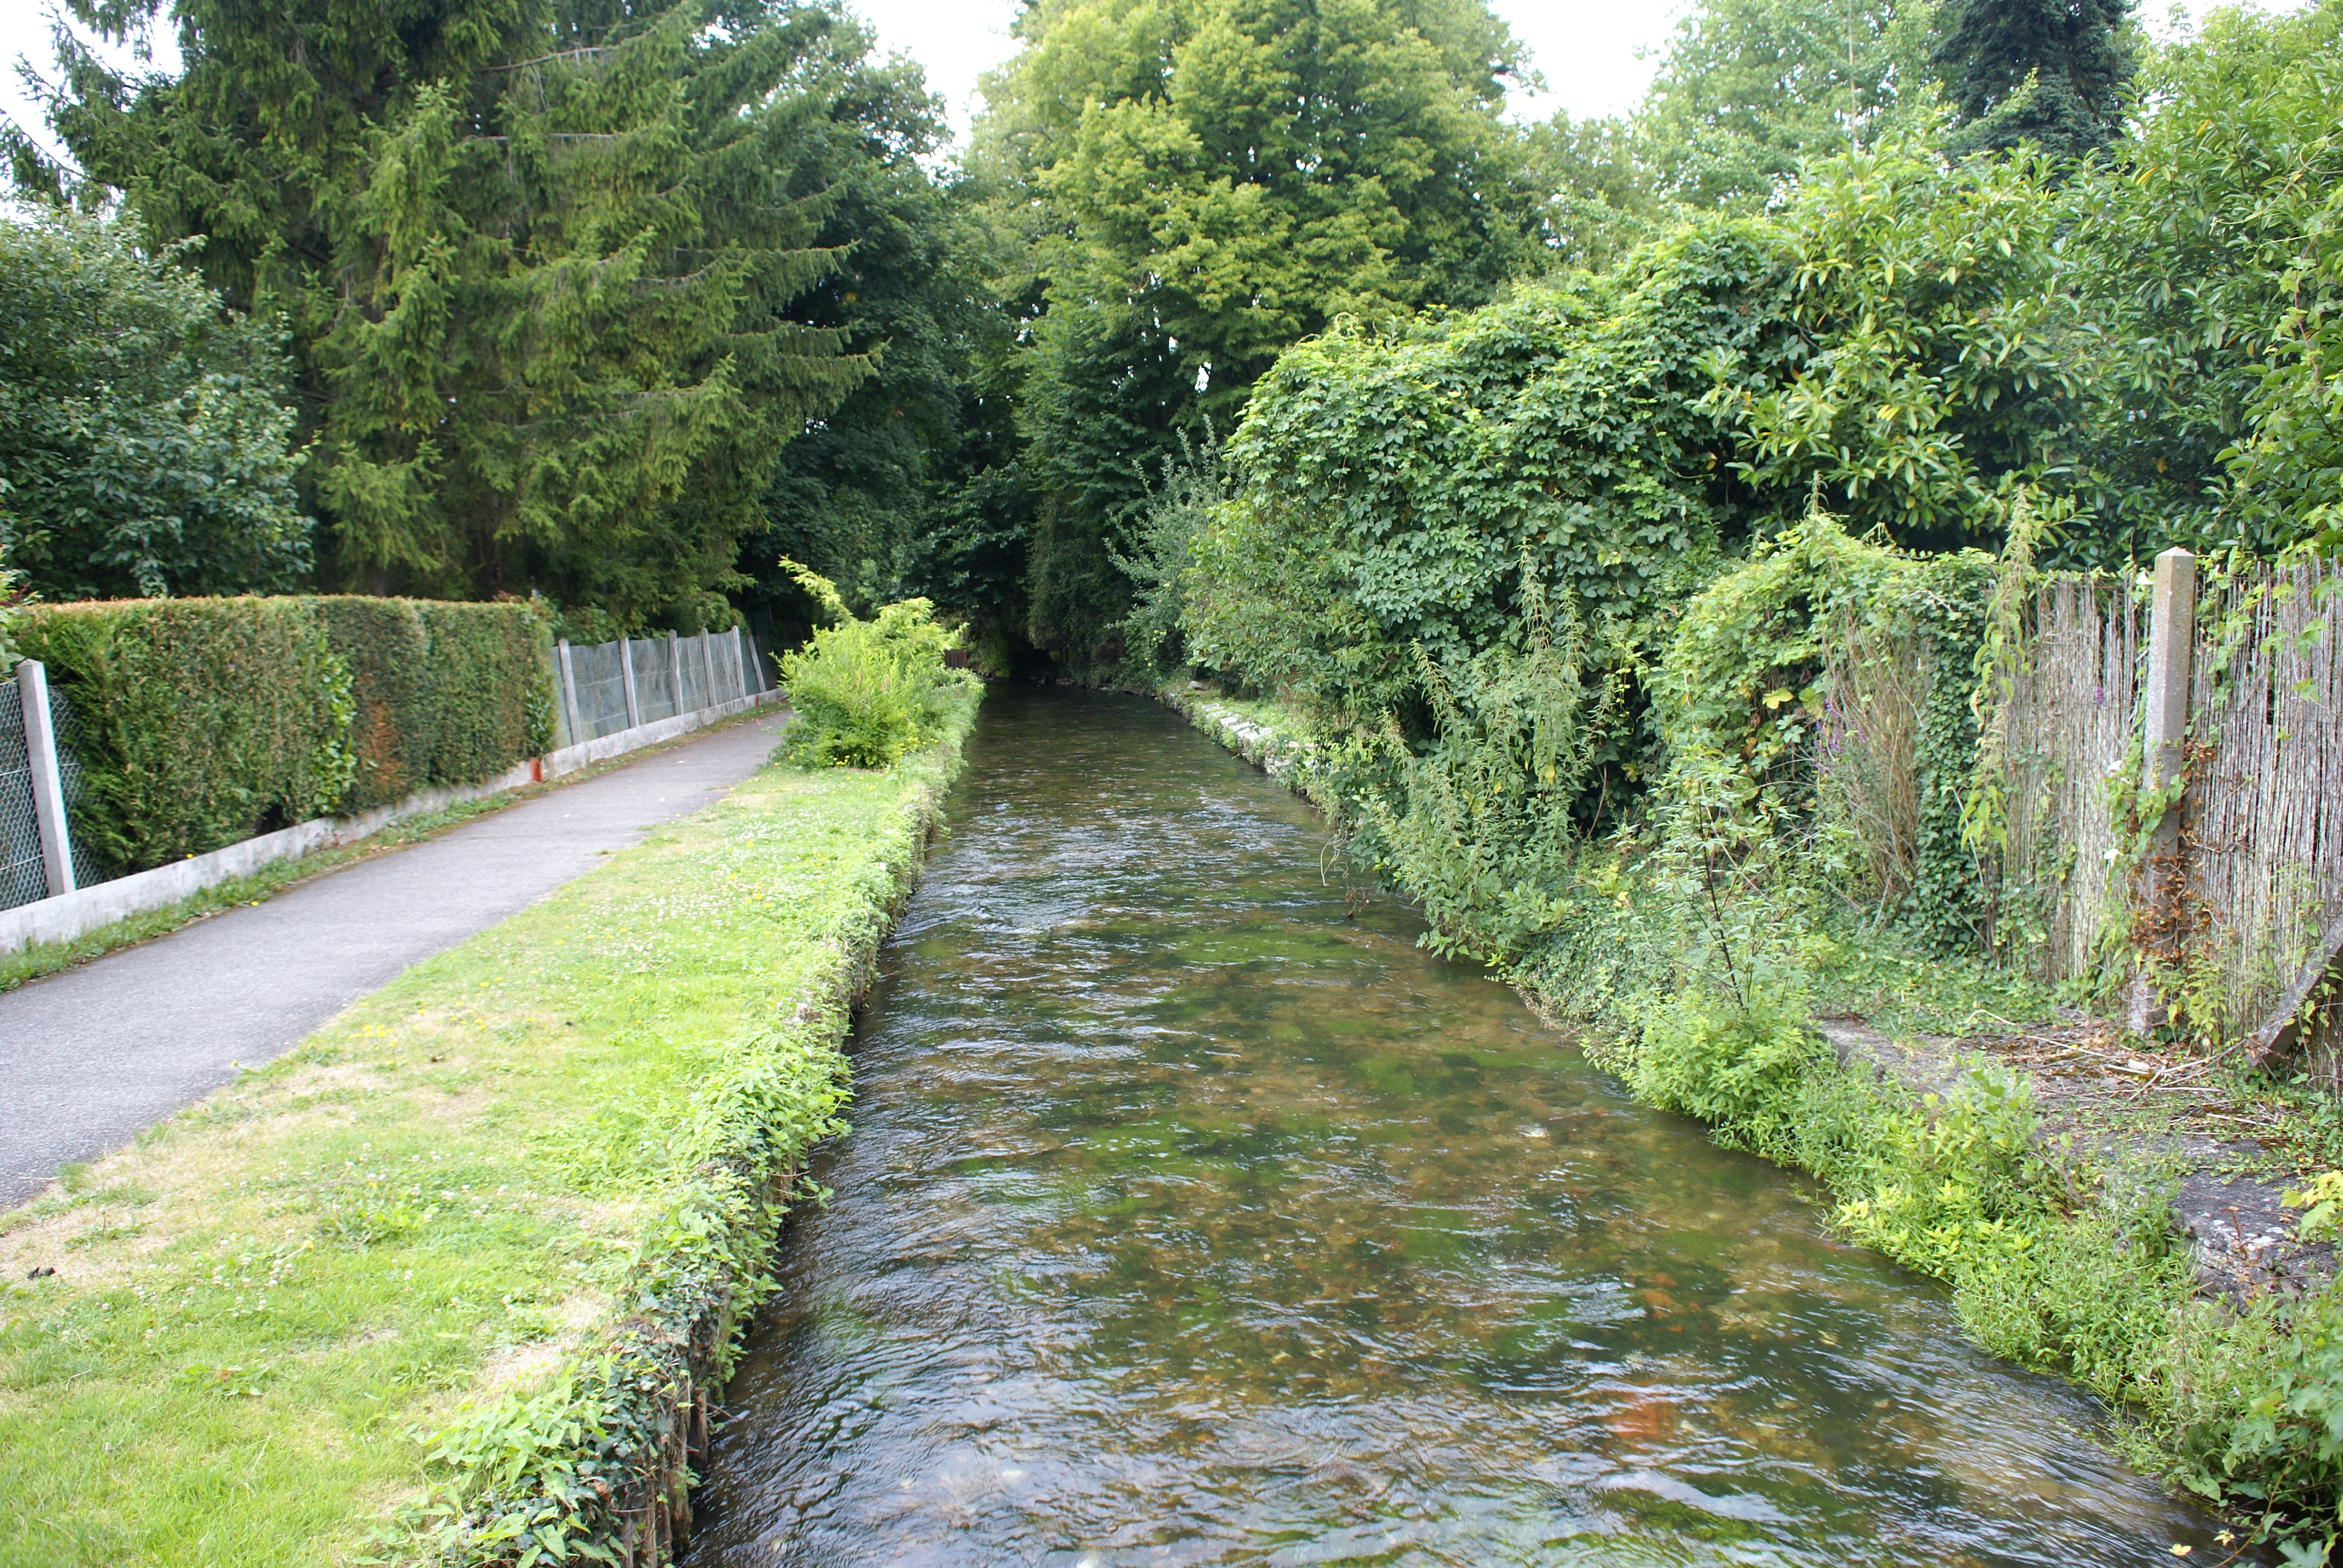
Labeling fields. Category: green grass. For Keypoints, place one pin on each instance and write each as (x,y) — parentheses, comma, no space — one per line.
(259,1310)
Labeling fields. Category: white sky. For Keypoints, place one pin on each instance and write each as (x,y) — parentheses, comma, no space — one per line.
(1586,50)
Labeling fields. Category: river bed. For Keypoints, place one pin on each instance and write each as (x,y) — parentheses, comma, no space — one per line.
(1192,1214)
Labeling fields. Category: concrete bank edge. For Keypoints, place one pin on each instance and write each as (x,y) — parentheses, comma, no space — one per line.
(76,914)
(653,1368)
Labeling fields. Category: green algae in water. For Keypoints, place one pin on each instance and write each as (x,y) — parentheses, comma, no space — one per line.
(1194,1215)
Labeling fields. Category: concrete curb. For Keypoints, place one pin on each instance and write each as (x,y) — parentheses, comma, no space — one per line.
(61,920)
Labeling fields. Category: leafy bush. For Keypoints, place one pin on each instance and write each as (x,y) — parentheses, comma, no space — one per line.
(199,722)
(865,692)
(145,432)
(1482,822)
(1734,1067)
(1161,545)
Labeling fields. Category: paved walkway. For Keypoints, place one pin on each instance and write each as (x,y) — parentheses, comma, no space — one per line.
(90,1055)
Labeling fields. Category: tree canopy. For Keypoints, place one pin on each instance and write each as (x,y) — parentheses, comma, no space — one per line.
(541,263)
(1207,182)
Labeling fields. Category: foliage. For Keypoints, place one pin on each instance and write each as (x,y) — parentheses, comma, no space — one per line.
(2051,73)
(1390,486)
(1802,685)
(1162,544)
(540,266)
(445,693)
(855,492)
(1949,361)
(144,444)
(2218,279)
(1595,195)
(1212,180)
(200,722)
(866,692)
(1749,90)
(1483,825)
(196,722)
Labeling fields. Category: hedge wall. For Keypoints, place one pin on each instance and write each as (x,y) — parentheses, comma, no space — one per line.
(446,693)
(201,721)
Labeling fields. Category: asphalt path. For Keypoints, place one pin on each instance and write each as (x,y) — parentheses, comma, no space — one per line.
(90,1055)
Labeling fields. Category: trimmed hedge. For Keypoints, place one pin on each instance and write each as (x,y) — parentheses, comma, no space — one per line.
(201,721)
(446,693)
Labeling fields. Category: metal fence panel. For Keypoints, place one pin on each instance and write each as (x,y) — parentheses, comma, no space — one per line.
(22,881)
(654,698)
(88,869)
(601,690)
(694,673)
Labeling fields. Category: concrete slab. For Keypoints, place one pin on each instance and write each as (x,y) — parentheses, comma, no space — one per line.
(90,1055)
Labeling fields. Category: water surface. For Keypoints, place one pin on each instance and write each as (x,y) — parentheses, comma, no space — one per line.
(1194,1215)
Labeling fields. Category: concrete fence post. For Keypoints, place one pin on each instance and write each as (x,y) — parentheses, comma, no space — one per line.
(2171,652)
(626,675)
(744,654)
(675,671)
(578,735)
(48,779)
(708,663)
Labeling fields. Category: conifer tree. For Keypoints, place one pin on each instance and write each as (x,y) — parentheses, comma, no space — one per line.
(2048,71)
(538,257)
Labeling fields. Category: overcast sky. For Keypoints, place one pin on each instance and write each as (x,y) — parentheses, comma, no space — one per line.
(1587,51)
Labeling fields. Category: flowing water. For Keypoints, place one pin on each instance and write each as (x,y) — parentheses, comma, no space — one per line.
(1192,1214)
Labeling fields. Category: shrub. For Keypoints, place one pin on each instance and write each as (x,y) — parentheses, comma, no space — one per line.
(864,691)
(446,693)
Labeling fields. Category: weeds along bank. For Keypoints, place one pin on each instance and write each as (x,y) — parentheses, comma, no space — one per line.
(453,1281)
(1818,884)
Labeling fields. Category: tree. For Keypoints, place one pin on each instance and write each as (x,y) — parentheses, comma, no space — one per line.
(540,257)
(1594,196)
(852,496)
(144,438)
(2213,260)
(1747,89)
(2048,71)
(1208,181)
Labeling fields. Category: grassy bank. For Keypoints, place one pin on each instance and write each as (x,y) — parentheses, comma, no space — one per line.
(486,1235)
(2066,1182)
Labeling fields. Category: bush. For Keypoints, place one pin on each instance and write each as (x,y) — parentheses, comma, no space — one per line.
(446,693)
(145,433)
(866,691)
(199,722)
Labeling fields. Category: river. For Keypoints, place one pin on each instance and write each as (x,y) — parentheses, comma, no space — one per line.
(1192,1214)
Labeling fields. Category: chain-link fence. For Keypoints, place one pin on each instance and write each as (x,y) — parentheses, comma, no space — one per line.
(22,879)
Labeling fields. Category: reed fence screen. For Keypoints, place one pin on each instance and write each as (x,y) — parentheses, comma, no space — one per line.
(2261,836)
